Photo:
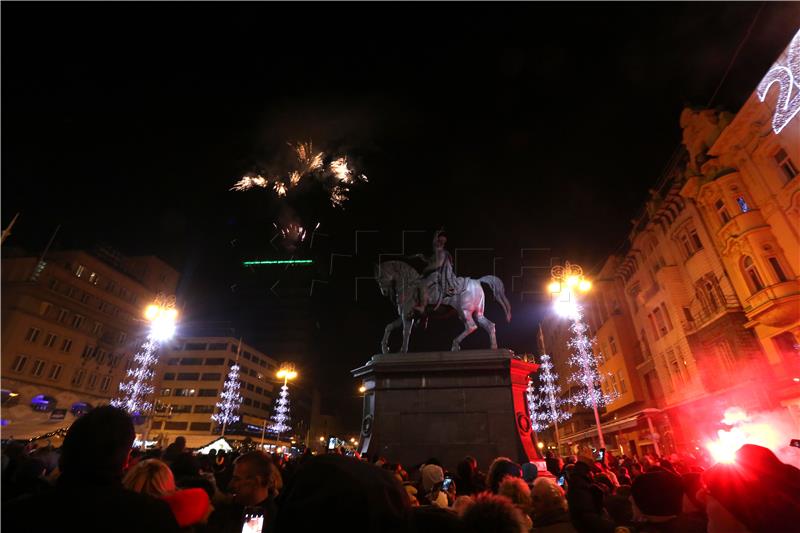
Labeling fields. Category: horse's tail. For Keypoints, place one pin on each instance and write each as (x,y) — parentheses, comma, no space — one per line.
(499,291)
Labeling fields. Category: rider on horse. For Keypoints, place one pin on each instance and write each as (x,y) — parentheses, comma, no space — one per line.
(440,280)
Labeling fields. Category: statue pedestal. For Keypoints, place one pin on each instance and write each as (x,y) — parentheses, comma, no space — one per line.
(447,405)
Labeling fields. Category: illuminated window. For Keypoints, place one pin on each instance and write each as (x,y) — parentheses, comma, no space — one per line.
(79,270)
(93,278)
(786,165)
(724,216)
(742,204)
(776,266)
(752,275)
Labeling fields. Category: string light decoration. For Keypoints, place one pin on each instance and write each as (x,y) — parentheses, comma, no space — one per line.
(282,415)
(534,406)
(137,389)
(550,391)
(785,72)
(586,375)
(230,399)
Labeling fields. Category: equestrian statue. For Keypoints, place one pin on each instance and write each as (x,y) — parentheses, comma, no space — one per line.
(416,295)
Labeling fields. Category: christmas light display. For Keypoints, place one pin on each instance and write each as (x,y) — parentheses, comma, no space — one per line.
(230,399)
(786,74)
(551,411)
(137,389)
(534,406)
(583,360)
(281,418)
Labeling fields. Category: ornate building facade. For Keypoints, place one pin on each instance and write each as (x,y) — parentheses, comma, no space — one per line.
(70,327)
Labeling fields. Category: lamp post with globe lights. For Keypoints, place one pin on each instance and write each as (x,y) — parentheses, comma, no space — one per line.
(136,391)
(567,283)
(281,417)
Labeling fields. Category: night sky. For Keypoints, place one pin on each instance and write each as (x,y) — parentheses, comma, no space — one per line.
(512,126)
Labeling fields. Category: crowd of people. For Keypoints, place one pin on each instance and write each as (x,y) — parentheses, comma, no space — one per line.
(96,482)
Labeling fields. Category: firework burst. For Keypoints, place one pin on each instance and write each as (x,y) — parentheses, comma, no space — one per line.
(336,176)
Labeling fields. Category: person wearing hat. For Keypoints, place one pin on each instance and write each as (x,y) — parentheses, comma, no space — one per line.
(432,479)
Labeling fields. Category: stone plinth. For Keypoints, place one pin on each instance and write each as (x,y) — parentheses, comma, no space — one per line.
(447,405)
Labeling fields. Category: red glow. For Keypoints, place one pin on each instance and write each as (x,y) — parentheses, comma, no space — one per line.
(743,431)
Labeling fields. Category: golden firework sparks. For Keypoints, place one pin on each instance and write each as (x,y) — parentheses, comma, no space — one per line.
(248,182)
(340,170)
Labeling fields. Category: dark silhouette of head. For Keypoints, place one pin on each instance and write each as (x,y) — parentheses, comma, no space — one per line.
(97,446)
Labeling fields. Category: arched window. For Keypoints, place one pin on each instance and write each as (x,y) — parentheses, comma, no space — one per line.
(752,275)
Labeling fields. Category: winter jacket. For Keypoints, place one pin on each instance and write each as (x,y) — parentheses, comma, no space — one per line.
(586,511)
(88,509)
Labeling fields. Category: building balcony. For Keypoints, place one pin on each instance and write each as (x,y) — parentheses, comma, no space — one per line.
(774,306)
(708,316)
(741,224)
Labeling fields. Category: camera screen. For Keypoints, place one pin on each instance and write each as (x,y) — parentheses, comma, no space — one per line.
(253,523)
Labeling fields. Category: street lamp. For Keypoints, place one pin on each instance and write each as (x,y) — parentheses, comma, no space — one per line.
(567,282)
(362,389)
(286,372)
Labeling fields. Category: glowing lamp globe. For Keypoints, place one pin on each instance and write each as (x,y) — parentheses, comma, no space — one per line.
(163,326)
(572,281)
(567,309)
(151,312)
(554,287)
(585,285)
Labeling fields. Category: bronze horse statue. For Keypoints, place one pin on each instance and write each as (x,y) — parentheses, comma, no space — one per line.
(410,292)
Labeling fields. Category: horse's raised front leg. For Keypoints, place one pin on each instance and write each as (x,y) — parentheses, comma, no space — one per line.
(408,325)
(469,327)
(393,325)
(488,325)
